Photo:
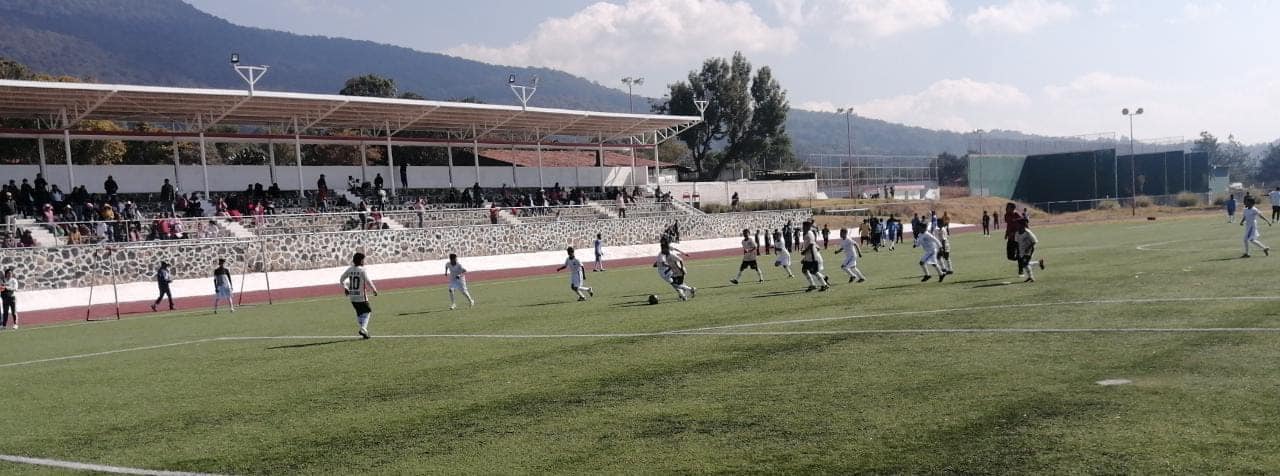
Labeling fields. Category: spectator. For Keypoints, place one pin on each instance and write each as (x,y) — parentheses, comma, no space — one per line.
(55,196)
(733,203)
(420,207)
(110,185)
(404,175)
(27,241)
(274,190)
(493,214)
(166,193)
(622,206)
(322,188)
(377,182)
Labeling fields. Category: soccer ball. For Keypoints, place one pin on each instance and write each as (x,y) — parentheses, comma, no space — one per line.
(653,299)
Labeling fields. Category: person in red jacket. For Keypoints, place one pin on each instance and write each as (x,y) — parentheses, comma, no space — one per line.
(1013,225)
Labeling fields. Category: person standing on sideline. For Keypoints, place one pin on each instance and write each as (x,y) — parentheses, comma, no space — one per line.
(599,248)
(1275,204)
(222,286)
(1026,248)
(163,278)
(826,236)
(749,253)
(1012,224)
(851,254)
(576,275)
(1250,224)
(457,281)
(404,175)
(8,301)
(986,224)
(1231,208)
(354,283)
(995,220)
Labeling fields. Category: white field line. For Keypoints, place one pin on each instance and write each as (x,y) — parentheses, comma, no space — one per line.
(1151,246)
(92,467)
(980,308)
(727,329)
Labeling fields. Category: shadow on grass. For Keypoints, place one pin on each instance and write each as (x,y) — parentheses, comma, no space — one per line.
(900,286)
(631,304)
(780,293)
(1233,258)
(421,313)
(312,344)
(971,281)
(994,285)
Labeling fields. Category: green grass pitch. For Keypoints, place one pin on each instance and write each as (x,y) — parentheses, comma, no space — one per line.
(530,381)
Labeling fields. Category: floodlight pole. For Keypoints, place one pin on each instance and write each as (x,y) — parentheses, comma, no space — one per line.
(848,123)
(250,74)
(523,93)
(629,81)
(1133,162)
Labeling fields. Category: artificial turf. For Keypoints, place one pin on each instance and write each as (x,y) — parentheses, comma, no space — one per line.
(526,382)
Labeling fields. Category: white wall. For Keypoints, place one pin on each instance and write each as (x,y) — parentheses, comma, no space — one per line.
(722,192)
(148,178)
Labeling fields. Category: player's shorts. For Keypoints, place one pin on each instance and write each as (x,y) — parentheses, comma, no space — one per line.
(574,285)
(1275,209)
(809,267)
(223,292)
(1251,233)
(677,280)
(850,261)
(783,261)
(930,257)
(748,264)
(944,254)
(599,256)
(458,284)
(362,307)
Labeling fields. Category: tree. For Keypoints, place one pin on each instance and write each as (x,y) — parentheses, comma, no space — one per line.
(10,69)
(745,114)
(412,95)
(370,85)
(1269,166)
(953,170)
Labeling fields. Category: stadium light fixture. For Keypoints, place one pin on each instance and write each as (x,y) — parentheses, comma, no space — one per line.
(701,104)
(523,92)
(250,74)
(630,81)
(1133,161)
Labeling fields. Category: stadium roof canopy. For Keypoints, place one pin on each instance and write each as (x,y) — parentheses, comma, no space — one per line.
(63,106)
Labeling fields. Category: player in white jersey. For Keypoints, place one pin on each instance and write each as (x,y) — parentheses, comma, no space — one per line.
(354,283)
(457,281)
(1250,224)
(1026,249)
(677,271)
(222,286)
(811,260)
(849,247)
(931,246)
(943,233)
(599,247)
(576,276)
(783,259)
(749,253)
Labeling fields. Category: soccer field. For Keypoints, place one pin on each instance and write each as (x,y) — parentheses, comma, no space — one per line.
(980,374)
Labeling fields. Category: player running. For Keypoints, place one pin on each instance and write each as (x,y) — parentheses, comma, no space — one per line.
(849,247)
(1026,249)
(457,281)
(811,260)
(677,271)
(599,247)
(944,253)
(783,260)
(222,286)
(576,276)
(1250,224)
(931,246)
(355,282)
(749,253)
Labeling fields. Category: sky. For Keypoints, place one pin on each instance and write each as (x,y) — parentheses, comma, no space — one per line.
(1040,66)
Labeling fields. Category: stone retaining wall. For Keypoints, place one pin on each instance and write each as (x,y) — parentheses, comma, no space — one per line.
(75,266)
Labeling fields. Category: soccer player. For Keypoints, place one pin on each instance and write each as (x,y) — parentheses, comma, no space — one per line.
(811,260)
(355,282)
(1231,208)
(1275,204)
(576,276)
(931,246)
(163,278)
(457,281)
(599,246)
(944,253)
(1011,222)
(749,252)
(851,254)
(783,260)
(677,271)
(1026,248)
(1250,224)
(222,286)
(8,301)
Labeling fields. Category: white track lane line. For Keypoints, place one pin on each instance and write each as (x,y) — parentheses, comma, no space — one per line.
(92,467)
(979,308)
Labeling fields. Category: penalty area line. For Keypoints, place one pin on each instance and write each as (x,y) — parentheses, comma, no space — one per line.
(93,467)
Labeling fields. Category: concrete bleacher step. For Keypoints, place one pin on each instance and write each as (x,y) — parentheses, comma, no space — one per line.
(237,230)
(41,235)
(690,209)
(392,224)
(601,210)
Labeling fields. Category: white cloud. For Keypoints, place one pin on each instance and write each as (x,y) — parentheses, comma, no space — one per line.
(850,22)
(1018,16)
(1192,12)
(817,106)
(1098,84)
(1103,7)
(605,41)
(953,104)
